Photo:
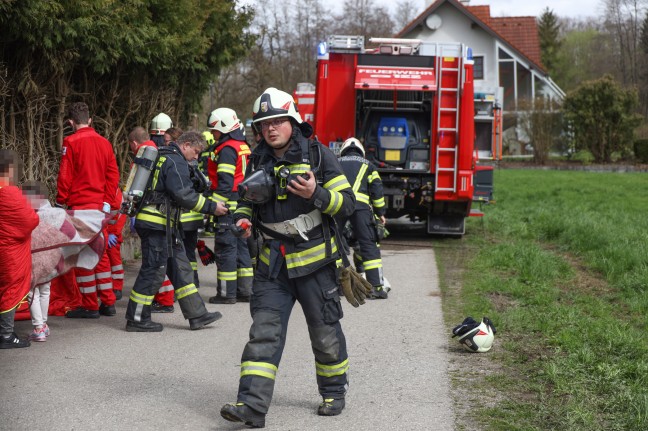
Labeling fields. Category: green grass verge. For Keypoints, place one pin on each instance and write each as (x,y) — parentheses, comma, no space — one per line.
(561,266)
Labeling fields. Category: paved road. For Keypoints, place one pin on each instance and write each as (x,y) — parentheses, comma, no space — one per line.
(93,375)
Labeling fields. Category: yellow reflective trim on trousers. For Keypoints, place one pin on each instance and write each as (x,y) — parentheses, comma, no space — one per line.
(332,370)
(224,168)
(194,266)
(372,264)
(226,276)
(337,183)
(245,272)
(335,204)
(359,177)
(200,203)
(378,203)
(141,299)
(311,255)
(262,369)
(187,290)
(361,197)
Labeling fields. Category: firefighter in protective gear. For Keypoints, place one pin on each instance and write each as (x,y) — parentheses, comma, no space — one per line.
(163,301)
(157,224)
(88,180)
(297,261)
(226,168)
(370,200)
(159,125)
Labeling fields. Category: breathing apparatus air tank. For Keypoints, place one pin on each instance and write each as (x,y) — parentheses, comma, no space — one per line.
(138,179)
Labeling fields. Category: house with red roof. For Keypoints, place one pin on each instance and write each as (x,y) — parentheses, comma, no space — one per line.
(508,68)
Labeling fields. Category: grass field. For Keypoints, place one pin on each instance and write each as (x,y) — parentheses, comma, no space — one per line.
(561,266)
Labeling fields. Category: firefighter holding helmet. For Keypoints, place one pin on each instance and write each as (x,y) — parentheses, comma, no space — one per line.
(159,125)
(226,168)
(157,224)
(370,200)
(304,188)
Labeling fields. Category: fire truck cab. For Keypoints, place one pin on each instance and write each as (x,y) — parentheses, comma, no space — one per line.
(411,104)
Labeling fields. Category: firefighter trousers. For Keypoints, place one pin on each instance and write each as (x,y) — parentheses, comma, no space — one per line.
(190,241)
(364,230)
(155,264)
(271,305)
(233,261)
(166,294)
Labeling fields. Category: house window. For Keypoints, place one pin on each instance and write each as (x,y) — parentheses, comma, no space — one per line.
(478,68)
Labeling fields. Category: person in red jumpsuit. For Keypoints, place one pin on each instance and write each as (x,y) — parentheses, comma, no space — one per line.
(88,180)
(115,239)
(17,221)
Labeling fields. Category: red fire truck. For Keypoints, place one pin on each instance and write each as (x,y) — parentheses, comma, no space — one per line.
(411,104)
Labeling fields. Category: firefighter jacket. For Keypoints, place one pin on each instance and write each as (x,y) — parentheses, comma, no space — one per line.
(170,190)
(333,196)
(365,181)
(88,173)
(226,168)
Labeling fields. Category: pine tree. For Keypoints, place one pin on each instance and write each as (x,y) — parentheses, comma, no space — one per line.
(549,34)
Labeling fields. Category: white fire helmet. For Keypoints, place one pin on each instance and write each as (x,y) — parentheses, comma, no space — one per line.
(160,123)
(224,120)
(474,336)
(275,103)
(351,143)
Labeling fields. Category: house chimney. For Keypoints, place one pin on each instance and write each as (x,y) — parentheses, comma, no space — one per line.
(465,2)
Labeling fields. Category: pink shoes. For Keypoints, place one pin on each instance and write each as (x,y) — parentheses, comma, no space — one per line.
(39,334)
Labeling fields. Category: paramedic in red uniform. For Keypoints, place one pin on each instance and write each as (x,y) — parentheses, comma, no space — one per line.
(88,180)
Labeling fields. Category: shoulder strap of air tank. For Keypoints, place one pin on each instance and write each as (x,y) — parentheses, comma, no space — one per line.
(308,148)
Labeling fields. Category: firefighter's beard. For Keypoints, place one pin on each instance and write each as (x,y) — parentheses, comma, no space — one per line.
(279,144)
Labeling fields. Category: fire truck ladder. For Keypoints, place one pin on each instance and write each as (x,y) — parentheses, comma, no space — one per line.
(449,79)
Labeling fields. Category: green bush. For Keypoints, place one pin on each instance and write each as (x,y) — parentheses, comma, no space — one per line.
(641,150)
(583,156)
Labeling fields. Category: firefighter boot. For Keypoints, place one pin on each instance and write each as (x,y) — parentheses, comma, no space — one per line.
(204,320)
(331,407)
(239,412)
(222,300)
(378,292)
(147,326)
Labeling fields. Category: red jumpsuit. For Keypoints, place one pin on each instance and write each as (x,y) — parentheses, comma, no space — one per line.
(88,178)
(115,227)
(17,221)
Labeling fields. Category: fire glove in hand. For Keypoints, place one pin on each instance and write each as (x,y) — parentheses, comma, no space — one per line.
(354,287)
(112,240)
(206,255)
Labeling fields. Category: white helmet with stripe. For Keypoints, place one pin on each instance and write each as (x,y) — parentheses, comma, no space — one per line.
(224,120)
(350,144)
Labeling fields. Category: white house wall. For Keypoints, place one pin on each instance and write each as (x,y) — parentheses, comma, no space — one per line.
(457,27)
